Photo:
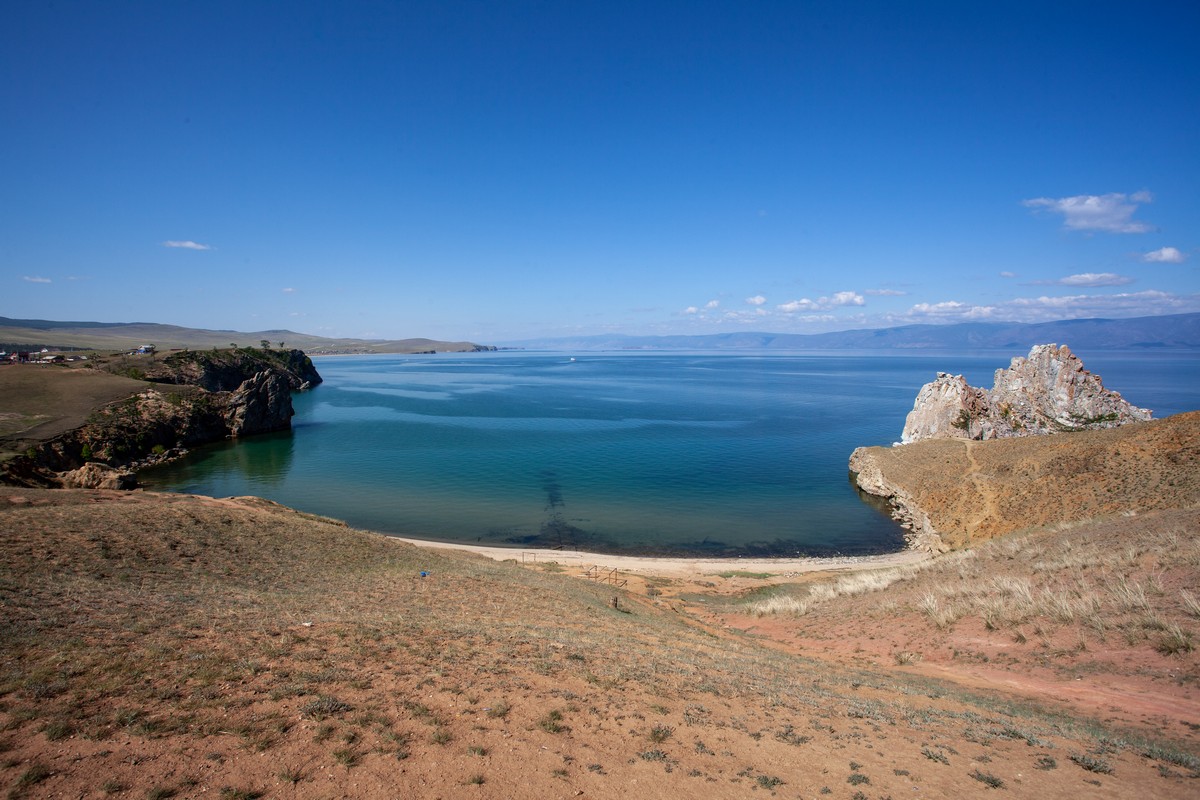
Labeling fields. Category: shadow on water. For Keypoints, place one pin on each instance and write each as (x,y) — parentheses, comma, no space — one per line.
(556,532)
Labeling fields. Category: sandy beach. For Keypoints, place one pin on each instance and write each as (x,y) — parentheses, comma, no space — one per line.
(680,567)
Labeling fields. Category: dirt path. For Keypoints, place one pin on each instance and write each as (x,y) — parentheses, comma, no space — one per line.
(982,489)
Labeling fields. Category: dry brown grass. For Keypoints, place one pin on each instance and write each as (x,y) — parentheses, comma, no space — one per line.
(973,491)
(40,402)
(180,645)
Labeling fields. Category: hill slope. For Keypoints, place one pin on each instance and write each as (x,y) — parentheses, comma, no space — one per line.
(175,645)
(960,491)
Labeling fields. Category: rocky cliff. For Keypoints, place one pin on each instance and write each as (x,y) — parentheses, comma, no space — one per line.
(952,492)
(176,412)
(219,370)
(1049,391)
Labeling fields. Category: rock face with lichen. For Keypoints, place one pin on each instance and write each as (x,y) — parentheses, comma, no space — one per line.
(1049,391)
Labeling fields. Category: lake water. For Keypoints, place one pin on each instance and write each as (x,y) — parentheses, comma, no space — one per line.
(663,453)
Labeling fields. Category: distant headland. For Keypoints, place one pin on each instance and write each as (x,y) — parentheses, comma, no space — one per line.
(1166,332)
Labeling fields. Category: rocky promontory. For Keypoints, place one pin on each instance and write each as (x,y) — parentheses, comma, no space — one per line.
(218,370)
(193,398)
(976,463)
(1049,391)
(951,493)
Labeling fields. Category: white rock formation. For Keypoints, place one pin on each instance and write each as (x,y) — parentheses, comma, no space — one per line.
(1047,392)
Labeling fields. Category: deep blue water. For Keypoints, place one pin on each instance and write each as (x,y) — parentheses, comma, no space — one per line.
(684,453)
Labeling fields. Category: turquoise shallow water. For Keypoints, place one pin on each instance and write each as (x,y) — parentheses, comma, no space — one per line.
(695,453)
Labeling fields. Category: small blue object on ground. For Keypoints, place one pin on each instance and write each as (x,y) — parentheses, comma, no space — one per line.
(424,574)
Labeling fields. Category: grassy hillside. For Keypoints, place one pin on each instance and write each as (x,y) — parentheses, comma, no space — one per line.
(972,491)
(36,334)
(166,645)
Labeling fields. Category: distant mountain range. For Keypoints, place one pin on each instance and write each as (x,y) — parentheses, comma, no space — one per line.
(28,334)
(1175,331)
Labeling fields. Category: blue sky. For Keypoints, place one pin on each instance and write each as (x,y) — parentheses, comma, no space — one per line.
(497,171)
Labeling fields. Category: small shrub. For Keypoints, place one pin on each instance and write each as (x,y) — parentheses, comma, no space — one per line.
(789,736)
(36,773)
(1092,763)
(292,775)
(552,722)
(935,755)
(58,730)
(988,780)
(230,793)
(1190,603)
(653,755)
(499,710)
(1174,640)
(660,733)
(323,707)
(857,779)
(768,781)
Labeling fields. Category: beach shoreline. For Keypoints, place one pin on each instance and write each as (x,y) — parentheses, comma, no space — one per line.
(678,566)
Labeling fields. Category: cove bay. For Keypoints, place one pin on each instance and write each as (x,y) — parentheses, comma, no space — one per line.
(669,453)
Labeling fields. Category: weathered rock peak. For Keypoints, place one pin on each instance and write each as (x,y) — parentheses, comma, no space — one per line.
(1049,391)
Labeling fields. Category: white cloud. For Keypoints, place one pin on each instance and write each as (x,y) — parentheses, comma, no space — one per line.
(885,293)
(1089,212)
(36,279)
(952,310)
(1093,279)
(711,304)
(289,290)
(187,245)
(1047,309)
(691,310)
(757,300)
(822,303)
(1165,255)
(1007,274)
(792,306)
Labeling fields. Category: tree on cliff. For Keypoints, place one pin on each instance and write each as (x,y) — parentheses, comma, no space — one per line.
(265,344)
